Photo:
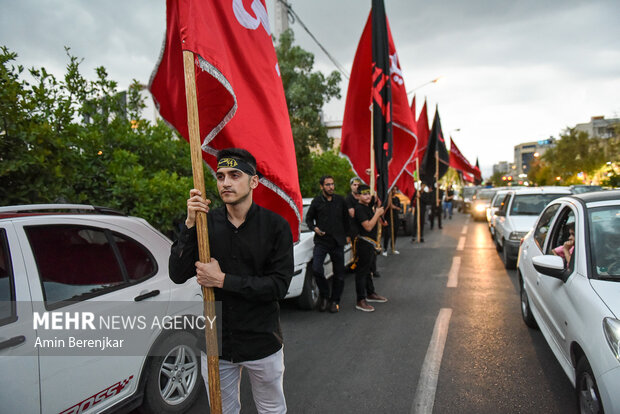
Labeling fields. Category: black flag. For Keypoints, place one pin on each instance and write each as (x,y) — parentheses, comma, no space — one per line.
(436,143)
(381,97)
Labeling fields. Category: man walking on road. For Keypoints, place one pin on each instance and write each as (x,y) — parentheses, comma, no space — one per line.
(394,207)
(329,218)
(250,271)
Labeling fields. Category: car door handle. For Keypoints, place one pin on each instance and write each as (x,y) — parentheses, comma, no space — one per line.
(147,295)
(13,342)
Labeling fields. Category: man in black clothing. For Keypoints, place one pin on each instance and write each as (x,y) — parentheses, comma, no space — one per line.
(436,207)
(367,221)
(250,270)
(329,218)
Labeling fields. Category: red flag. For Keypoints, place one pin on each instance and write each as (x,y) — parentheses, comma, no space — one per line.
(365,83)
(458,161)
(240,95)
(468,177)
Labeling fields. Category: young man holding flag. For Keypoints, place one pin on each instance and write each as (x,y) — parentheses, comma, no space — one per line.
(250,271)
(367,221)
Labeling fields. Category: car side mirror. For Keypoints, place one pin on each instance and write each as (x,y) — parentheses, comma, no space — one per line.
(500,213)
(550,265)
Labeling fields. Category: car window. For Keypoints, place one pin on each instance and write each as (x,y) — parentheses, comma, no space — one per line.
(303,226)
(504,204)
(562,237)
(74,262)
(7,287)
(531,204)
(497,200)
(138,261)
(605,242)
(542,228)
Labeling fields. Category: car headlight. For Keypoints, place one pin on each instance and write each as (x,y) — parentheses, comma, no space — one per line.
(480,208)
(611,327)
(517,235)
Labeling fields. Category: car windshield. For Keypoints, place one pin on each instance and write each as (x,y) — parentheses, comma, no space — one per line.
(485,194)
(469,191)
(586,189)
(605,242)
(531,204)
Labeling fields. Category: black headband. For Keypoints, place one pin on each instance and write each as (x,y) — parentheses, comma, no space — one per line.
(237,164)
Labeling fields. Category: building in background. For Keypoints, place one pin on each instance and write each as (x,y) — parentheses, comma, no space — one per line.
(599,127)
(502,167)
(526,152)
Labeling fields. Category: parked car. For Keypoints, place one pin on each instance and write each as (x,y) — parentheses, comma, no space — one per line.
(576,302)
(303,287)
(71,259)
(517,216)
(481,201)
(494,206)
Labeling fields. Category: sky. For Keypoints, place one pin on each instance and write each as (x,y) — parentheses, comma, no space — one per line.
(511,71)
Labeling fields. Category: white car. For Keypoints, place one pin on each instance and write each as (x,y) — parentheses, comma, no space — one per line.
(56,267)
(494,207)
(303,287)
(517,216)
(575,300)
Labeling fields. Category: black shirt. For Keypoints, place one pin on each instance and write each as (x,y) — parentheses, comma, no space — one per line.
(350,201)
(257,258)
(363,213)
(332,217)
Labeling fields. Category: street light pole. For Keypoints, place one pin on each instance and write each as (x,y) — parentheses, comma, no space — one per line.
(424,84)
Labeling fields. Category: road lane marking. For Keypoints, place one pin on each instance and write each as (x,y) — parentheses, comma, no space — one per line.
(453,276)
(427,384)
(461,244)
(464,231)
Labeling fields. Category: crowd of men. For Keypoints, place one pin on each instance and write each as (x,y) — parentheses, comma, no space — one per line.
(358,219)
(251,267)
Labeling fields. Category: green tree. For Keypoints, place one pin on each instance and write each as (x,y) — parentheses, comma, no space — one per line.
(574,152)
(80,141)
(326,163)
(306,93)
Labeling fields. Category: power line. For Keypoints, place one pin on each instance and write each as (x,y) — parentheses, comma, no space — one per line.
(294,16)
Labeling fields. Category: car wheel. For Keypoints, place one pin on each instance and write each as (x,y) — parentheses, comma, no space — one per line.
(588,397)
(309,297)
(509,262)
(174,377)
(526,311)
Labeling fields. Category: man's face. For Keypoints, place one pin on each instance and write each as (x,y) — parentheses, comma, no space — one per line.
(365,198)
(354,186)
(234,186)
(328,187)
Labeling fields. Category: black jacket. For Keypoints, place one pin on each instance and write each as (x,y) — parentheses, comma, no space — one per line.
(332,217)
(257,258)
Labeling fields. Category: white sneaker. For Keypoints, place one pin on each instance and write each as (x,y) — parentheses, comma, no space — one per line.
(395,252)
(384,253)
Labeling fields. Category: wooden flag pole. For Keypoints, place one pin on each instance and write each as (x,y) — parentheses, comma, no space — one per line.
(418,194)
(215,396)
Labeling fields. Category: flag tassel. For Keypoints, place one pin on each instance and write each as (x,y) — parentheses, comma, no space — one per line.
(215,397)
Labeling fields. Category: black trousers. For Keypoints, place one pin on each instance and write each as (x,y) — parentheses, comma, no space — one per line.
(414,232)
(436,213)
(336,254)
(363,280)
(387,235)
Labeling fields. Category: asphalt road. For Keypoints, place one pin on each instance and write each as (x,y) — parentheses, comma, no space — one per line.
(481,359)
